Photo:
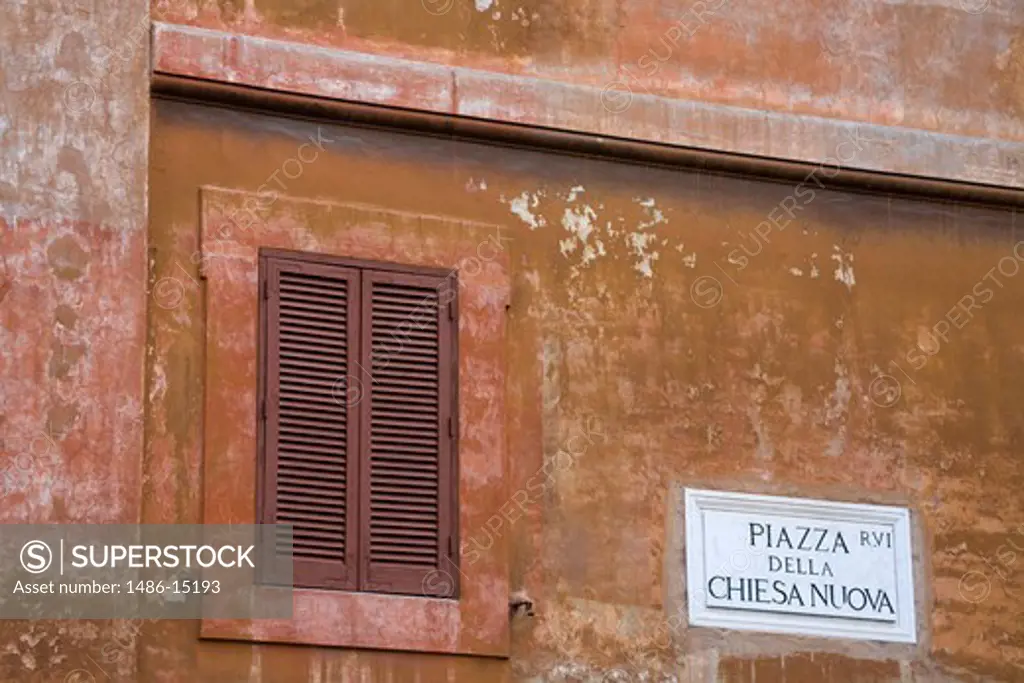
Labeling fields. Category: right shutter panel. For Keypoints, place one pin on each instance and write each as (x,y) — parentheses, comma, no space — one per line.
(408,473)
(311,425)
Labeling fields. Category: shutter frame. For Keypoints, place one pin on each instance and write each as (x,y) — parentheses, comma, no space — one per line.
(400,577)
(306,571)
(358,571)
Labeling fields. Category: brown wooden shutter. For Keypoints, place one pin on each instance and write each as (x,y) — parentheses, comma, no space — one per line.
(407,481)
(310,419)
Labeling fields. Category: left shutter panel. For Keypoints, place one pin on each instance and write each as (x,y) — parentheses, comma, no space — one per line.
(311,432)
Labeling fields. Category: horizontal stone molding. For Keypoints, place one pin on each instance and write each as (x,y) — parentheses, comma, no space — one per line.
(614,111)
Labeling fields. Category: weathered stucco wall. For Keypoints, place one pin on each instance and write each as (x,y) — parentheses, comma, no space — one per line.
(902,63)
(942,80)
(74,122)
(666,328)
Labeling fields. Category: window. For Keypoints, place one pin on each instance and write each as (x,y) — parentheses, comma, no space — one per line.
(358,391)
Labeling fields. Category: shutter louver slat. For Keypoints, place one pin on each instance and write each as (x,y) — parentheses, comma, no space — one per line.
(309,430)
(406,481)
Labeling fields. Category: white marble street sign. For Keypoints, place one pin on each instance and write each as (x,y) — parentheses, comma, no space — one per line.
(799,566)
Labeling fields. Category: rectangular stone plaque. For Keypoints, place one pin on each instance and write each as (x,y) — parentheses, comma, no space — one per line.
(799,566)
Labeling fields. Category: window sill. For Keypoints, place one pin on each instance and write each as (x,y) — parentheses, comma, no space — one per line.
(367,620)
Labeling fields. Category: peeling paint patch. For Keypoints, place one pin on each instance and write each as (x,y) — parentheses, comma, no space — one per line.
(656,216)
(581,222)
(521,206)
(578,222)
(689,260)
(765,450)
(474,185)
(844,268)
(639,242)
(574,192)
(837,409)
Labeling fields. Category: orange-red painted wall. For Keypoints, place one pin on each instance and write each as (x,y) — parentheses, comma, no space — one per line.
(808,364)
(914,64)
(647,312)
(74,120)
(940,80)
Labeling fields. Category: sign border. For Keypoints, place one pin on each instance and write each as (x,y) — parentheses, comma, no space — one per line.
(904,630)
